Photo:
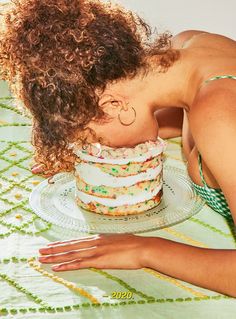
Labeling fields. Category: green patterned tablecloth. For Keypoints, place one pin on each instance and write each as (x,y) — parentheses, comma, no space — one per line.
(30,291)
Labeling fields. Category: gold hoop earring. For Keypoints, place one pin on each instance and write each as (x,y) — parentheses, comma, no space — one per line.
(84,147)
(127,124)
(50,181)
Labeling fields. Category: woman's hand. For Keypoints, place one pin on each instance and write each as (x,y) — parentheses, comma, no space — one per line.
(38,170)
(119,251)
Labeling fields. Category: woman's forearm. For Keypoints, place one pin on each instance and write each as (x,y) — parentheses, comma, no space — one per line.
(170,122)
(214,269)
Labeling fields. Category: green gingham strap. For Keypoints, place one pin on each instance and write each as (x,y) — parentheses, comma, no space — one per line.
(218,77)
(200,169)
(221,77)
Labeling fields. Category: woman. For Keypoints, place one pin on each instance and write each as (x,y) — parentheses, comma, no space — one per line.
(88,71)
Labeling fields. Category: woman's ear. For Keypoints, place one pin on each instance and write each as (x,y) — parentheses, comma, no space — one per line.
(113,104)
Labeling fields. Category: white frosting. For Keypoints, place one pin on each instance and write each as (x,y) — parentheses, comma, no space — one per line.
(120,161)
(121,156)
(94,176)
(120,200)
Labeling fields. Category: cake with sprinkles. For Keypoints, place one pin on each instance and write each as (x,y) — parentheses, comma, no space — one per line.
(119,181)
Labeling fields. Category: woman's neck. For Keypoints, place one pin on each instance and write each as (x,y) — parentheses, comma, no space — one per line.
(177,87)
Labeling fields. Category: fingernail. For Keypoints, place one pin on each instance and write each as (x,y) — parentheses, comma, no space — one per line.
(54,243)
(56,268)
(36,167)
(42,250)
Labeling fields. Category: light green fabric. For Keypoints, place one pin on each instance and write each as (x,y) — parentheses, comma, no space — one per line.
(26,293)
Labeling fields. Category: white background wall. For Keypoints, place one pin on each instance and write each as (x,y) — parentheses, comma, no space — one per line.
(217,16)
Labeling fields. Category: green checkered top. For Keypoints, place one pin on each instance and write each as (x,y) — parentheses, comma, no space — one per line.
(213,197)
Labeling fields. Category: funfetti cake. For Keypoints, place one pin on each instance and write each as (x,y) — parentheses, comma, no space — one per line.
(120,181)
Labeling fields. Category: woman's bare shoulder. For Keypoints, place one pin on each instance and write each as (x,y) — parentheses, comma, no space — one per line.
(181,38)
(200,38)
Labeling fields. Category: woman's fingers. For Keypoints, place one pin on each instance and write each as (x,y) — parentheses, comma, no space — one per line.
(68,256)
(79,264)
(84,242)
(64,247)
(37,168)
(117,251)
(72,240)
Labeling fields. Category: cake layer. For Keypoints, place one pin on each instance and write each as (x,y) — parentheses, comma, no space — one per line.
(113,192)
(129,169)
(119,200)
(97,153)
(97,207)
(93,175)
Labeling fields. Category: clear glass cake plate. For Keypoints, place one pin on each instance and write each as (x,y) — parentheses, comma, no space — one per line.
(56,204)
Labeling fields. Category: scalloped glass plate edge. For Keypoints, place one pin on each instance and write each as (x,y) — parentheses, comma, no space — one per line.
(179,215)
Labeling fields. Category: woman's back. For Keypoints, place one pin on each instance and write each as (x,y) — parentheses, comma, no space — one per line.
(212,55)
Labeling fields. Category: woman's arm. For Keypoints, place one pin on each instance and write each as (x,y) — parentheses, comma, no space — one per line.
(208,268)
(170,122)
(214,269)
(212,120)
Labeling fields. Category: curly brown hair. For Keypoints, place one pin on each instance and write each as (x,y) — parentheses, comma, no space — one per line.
(55,54)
